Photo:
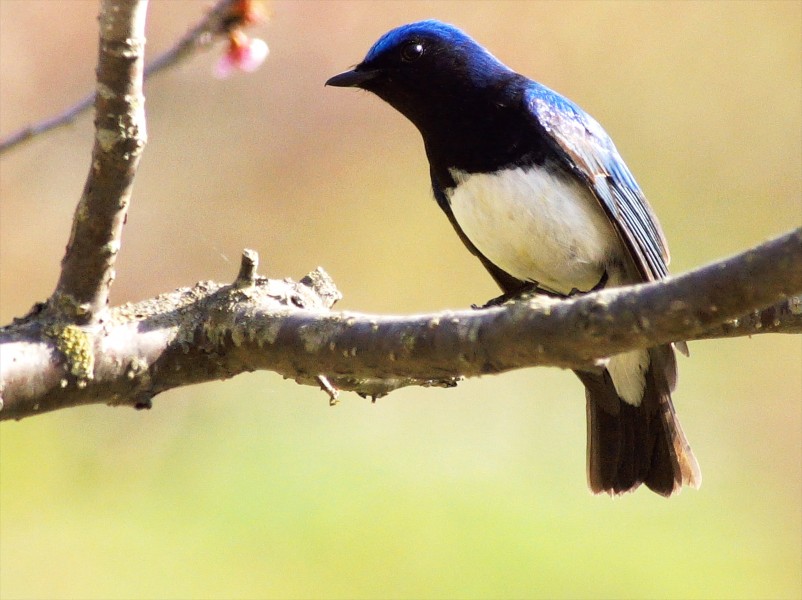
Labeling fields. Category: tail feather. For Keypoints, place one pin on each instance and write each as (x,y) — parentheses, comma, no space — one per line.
(629,445)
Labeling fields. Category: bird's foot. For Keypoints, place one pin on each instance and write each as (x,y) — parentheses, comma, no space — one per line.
(602,282)
(526,290)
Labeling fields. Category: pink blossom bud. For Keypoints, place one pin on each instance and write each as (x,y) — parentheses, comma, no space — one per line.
(243,54)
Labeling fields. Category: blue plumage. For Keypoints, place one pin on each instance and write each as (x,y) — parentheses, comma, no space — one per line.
(536,189)
(591,154)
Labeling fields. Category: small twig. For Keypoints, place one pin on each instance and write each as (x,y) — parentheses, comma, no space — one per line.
(247,269)
(31,131)
(214,24)
(332,391)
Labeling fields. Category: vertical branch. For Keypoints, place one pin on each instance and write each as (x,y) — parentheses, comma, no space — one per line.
(87,269)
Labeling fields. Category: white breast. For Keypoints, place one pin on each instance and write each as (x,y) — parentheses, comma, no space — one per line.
(540,226)
(535,225)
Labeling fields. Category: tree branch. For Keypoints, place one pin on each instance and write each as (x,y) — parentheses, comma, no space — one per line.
(214,331)
(87,269)
(217,22)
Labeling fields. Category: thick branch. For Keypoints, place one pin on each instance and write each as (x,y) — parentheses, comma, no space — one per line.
(783,317)
(214,332)
(87,269)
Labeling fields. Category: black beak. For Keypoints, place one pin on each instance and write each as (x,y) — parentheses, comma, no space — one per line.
(353,78)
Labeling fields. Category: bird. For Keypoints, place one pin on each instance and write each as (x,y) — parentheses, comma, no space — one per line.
(538,192)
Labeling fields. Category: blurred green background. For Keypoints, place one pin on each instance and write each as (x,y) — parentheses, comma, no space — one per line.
(255,488)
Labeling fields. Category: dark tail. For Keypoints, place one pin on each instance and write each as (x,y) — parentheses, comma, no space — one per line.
(629,445)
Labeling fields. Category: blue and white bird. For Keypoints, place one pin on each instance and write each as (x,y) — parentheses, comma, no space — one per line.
(535,188)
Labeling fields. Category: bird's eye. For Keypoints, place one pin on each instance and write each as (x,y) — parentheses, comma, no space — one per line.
(412,51)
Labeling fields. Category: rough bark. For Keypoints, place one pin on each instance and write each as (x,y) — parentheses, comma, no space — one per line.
(213,331)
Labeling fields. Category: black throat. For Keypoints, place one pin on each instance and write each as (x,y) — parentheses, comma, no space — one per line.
(477,130)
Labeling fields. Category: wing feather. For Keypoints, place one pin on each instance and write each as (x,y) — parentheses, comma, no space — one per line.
(591,154)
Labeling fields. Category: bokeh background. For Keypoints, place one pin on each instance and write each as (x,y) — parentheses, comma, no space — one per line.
(255,488)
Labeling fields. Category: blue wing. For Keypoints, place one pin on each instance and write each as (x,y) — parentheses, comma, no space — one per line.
(590,153)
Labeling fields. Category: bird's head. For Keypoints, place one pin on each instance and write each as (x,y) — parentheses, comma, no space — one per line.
(423,69)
